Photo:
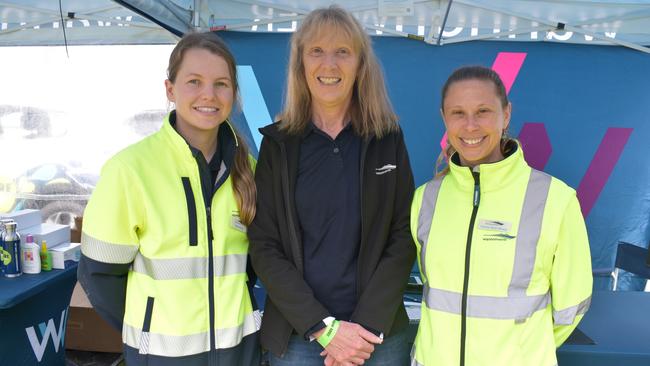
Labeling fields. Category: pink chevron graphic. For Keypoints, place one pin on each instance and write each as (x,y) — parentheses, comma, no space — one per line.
(601,167)
(536,144)
(507,65)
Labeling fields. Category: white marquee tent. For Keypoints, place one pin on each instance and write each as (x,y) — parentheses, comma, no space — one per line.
(38,22)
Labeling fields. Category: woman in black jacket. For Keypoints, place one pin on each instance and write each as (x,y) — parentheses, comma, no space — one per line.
(331,239)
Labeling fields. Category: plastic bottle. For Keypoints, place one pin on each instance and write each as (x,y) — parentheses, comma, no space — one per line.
(30,256)
(46,257)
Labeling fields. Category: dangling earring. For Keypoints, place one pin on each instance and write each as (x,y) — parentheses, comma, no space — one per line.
(505,138)
(504,134)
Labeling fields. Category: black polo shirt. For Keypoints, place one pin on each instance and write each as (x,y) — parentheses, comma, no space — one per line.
(329,211)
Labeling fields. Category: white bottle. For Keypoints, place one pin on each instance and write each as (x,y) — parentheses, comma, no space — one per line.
(30,256)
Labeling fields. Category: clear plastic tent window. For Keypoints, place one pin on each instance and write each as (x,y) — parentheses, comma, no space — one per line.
(64,116)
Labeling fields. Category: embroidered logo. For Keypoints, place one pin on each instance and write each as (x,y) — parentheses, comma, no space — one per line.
(385,169)
(497,237)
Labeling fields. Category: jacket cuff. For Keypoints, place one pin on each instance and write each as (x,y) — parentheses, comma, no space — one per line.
(318,326)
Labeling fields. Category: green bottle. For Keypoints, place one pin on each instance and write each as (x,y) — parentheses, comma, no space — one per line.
(46,257)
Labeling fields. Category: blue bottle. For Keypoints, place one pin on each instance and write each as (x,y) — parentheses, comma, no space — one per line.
(11,250)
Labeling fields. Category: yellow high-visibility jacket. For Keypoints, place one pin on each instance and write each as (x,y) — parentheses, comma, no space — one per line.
(157,226)
(504,257)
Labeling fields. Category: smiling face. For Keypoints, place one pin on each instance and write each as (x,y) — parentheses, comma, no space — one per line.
(330,62)
(475,119)
(202,92)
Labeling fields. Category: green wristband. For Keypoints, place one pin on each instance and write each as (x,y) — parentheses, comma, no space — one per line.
(328,334)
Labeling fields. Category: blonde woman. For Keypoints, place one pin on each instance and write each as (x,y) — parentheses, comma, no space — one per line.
(164,238)
(331,239)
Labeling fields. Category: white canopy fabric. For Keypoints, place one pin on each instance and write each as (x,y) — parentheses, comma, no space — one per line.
(88,22)
(613,22)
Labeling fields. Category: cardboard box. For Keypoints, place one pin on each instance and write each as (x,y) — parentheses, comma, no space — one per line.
(24,218)
(64,254)
(86,330)
(53,234)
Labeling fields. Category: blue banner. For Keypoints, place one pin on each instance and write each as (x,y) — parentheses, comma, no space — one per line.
(580,111)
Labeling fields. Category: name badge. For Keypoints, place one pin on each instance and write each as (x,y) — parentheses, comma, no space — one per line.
(494,225)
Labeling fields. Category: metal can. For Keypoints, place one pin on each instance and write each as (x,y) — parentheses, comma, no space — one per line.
(2,230)
(11,250)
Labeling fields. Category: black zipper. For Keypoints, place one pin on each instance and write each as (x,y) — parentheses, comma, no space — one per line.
(468,250)
(204,174)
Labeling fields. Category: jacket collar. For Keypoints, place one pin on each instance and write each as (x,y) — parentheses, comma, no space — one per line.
(227,140)
(493,175)
(273,132)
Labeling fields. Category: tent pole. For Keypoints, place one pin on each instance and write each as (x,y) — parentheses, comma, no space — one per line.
(196,14)
(444,23)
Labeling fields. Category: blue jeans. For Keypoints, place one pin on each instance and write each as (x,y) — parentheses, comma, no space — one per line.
(394,351)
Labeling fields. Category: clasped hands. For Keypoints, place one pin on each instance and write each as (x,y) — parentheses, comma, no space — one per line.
(352,345)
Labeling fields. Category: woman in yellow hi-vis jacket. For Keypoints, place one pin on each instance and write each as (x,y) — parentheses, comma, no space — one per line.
(502,247)
(164,246)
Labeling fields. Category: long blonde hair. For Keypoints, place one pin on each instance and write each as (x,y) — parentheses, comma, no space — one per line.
(370,109)
(242,172)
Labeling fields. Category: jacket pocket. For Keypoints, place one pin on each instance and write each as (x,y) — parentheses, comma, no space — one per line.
(191,210)
(146,325)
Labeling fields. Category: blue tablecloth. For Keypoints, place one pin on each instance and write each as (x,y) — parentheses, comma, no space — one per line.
(619,324)
(33,314)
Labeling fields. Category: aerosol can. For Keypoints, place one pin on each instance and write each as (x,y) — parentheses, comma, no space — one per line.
(11,250)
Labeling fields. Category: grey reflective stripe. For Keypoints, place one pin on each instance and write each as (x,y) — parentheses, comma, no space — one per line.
(490,307)
(166,345)
(429,198)
(185,268)
(230,337)
(177,346)
(530,227)
(414,362)
(225,265)
(144,343)
(106,252)
(567,316)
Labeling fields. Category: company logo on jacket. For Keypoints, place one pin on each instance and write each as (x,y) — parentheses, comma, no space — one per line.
(503,227)
(385,169)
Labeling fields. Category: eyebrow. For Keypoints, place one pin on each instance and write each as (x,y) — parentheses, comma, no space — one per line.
(199,75)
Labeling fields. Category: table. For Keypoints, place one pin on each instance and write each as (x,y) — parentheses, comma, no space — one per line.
(33,315)
(619,324)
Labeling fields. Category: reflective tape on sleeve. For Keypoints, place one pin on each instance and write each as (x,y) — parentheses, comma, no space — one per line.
(103,251)
(567,316)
